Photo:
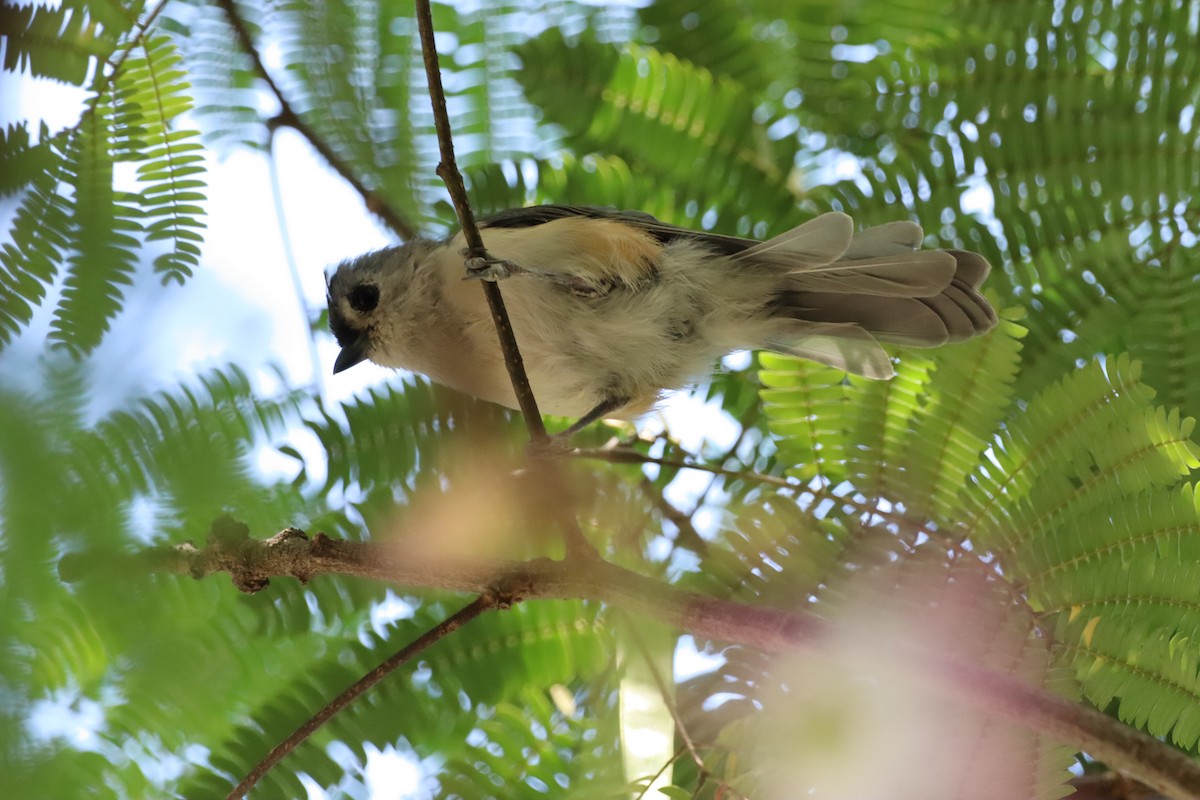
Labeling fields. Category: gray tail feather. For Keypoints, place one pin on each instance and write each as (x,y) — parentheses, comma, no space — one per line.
(955,313)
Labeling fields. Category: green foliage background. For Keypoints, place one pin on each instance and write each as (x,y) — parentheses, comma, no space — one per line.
(1053,458)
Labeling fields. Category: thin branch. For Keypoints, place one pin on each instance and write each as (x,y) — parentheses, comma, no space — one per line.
(625,456)
(288,116)
(292,553)
(107,75)
(107,72)
(578,546)
(687,535)
(620,455)
(289,257)
(664,692)
(654,778)
(484,602)
(448,171)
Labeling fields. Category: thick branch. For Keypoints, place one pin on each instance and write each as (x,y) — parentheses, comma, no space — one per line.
(1111,786)
(288,116)
(292,553)
(448,171)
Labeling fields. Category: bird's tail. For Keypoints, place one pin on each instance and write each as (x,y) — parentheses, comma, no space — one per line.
(842,293)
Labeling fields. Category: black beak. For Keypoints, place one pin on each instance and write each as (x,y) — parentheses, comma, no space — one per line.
(352,353)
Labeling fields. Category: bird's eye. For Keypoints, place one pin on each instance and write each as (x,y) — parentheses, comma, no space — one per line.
(364,297)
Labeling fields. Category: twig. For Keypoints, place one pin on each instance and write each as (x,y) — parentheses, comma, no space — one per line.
(292,553)
(115,66)
(664,692)
(288,116)
(577,545)
(620,455)
(448,171)
(484,602)
(625,456)
(687,535)
(289,257)
(654,778)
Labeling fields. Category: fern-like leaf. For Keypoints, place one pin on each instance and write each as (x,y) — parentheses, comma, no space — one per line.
(22,160)
(670,118)
(1036,451)
(968,397)
(1081,501)
(805,403)
(882,418)
(62,42)
(150,97)
(102,239)
(579,181)
(722,38)
(1073,126)
(393,429)
(529,748)
(159,443)
(31,261)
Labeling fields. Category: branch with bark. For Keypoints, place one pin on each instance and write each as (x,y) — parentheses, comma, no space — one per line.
(292,553)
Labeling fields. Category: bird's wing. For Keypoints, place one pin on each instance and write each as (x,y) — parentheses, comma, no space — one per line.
(830,273)
(661,231)
(589,255)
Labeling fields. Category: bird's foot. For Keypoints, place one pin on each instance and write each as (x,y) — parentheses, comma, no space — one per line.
(486,268)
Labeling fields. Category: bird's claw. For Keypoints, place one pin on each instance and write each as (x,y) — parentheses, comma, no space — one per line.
(483,268)
(488,268)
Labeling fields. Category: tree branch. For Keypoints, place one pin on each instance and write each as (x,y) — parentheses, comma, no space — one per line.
(1111,786)
(288,116)
(624,455)
(627,456)
(293,553)
(448,171)
(484,602)
(664,692)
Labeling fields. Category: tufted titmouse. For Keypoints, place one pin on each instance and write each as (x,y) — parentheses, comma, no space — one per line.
(610,308)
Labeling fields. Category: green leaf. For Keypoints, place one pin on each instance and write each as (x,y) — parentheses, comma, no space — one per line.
(31,261)
(152,93)
(667,118)
(63,43)
(104,253)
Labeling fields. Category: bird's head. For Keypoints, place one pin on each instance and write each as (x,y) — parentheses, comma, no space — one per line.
(366,297)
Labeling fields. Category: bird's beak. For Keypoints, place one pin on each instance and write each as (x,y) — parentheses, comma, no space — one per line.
(352,353)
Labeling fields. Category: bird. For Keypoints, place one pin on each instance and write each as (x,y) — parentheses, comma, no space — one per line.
(612,308)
